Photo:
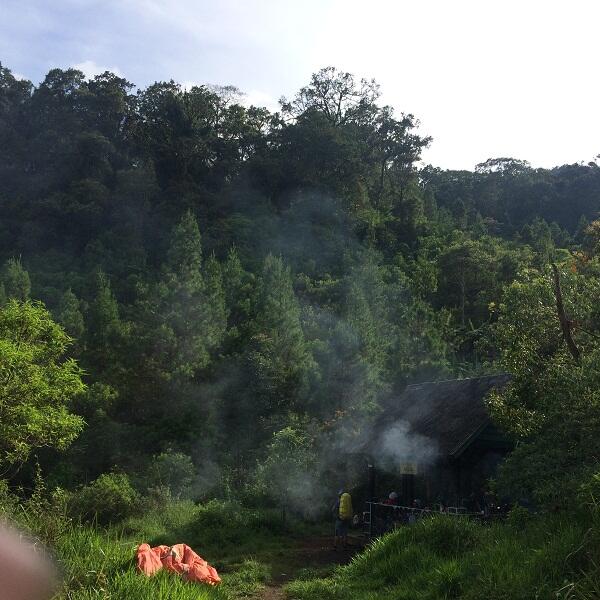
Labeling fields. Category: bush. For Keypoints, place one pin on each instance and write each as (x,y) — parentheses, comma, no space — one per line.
(8,501)
(108,499)
(174,471)
(229,521)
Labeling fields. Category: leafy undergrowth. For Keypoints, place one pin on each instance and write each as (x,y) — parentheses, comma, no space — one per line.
(546,557)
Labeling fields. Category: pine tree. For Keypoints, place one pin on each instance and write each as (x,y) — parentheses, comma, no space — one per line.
(105,331)
(238,285)
(16,280)
(191,316)
(70,316)
(103,315)
(184,257)
(215,302)
(279,357)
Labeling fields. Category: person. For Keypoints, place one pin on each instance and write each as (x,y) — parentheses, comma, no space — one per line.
(392,499)
(343,513)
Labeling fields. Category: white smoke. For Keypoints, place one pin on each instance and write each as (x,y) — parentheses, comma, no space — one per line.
(398,444)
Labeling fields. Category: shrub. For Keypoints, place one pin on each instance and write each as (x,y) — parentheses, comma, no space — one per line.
(8,501)
(172,470)
(108,499)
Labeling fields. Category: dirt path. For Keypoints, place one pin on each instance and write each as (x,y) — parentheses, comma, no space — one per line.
(309,553)
(272,593)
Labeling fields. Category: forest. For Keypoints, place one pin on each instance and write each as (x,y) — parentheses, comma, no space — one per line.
(206,304)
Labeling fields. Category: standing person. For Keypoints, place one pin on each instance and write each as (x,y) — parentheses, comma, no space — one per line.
(343,513)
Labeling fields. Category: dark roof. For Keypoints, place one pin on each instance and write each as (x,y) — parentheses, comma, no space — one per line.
(451,413)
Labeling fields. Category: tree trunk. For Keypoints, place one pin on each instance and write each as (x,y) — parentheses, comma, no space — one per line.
(565,324)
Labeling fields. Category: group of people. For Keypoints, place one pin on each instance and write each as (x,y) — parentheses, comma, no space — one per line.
(344,516)
(388,513)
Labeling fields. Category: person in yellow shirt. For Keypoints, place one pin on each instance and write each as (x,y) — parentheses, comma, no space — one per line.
(343,513)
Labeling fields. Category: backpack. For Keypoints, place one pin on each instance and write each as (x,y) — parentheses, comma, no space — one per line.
(346,512)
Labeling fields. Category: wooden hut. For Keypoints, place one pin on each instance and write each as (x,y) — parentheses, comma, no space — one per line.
(464,447)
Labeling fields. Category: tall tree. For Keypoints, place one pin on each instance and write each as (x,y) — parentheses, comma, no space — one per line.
(279,357)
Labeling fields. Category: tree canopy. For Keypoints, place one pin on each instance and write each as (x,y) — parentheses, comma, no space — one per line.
(228,272)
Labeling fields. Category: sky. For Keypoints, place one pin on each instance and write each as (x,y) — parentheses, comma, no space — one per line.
(485,78)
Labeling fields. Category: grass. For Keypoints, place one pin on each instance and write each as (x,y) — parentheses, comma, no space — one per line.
(443,559)
(224,533)
(546,557)
(99,563)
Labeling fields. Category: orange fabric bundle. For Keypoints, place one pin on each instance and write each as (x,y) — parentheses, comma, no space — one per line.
(180,559)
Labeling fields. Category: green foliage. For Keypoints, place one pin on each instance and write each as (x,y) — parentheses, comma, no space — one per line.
(518,517)
(552,402)
(37,384)
(8,501)
(70,316)
(108,499)
(226,533)
(97,564)
(174,471)
(279,358)
(329,270)
(16,280)
(288,470)
(188,313)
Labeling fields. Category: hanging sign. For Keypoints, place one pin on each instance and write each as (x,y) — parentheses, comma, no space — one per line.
(408,468)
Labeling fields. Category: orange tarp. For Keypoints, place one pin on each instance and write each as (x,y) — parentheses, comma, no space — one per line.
(180,559)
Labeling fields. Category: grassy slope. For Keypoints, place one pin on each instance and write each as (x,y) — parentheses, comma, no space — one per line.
(445,558)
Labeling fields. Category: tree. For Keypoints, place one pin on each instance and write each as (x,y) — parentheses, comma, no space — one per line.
(104,327)
(337,96)
(16,280)
(503,166)
(14,96)
(190,307)
(288,472)
(174,471)
(70,316)
(215,301)
(278,358)
(37,383)
(239,290)
(106,356)
(551,405)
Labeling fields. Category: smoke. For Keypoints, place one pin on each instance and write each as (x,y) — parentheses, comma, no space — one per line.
(398,444)
(342,462)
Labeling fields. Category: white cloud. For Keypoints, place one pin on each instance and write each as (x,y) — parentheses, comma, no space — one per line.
(259,98)
(188,85)
(91,69)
